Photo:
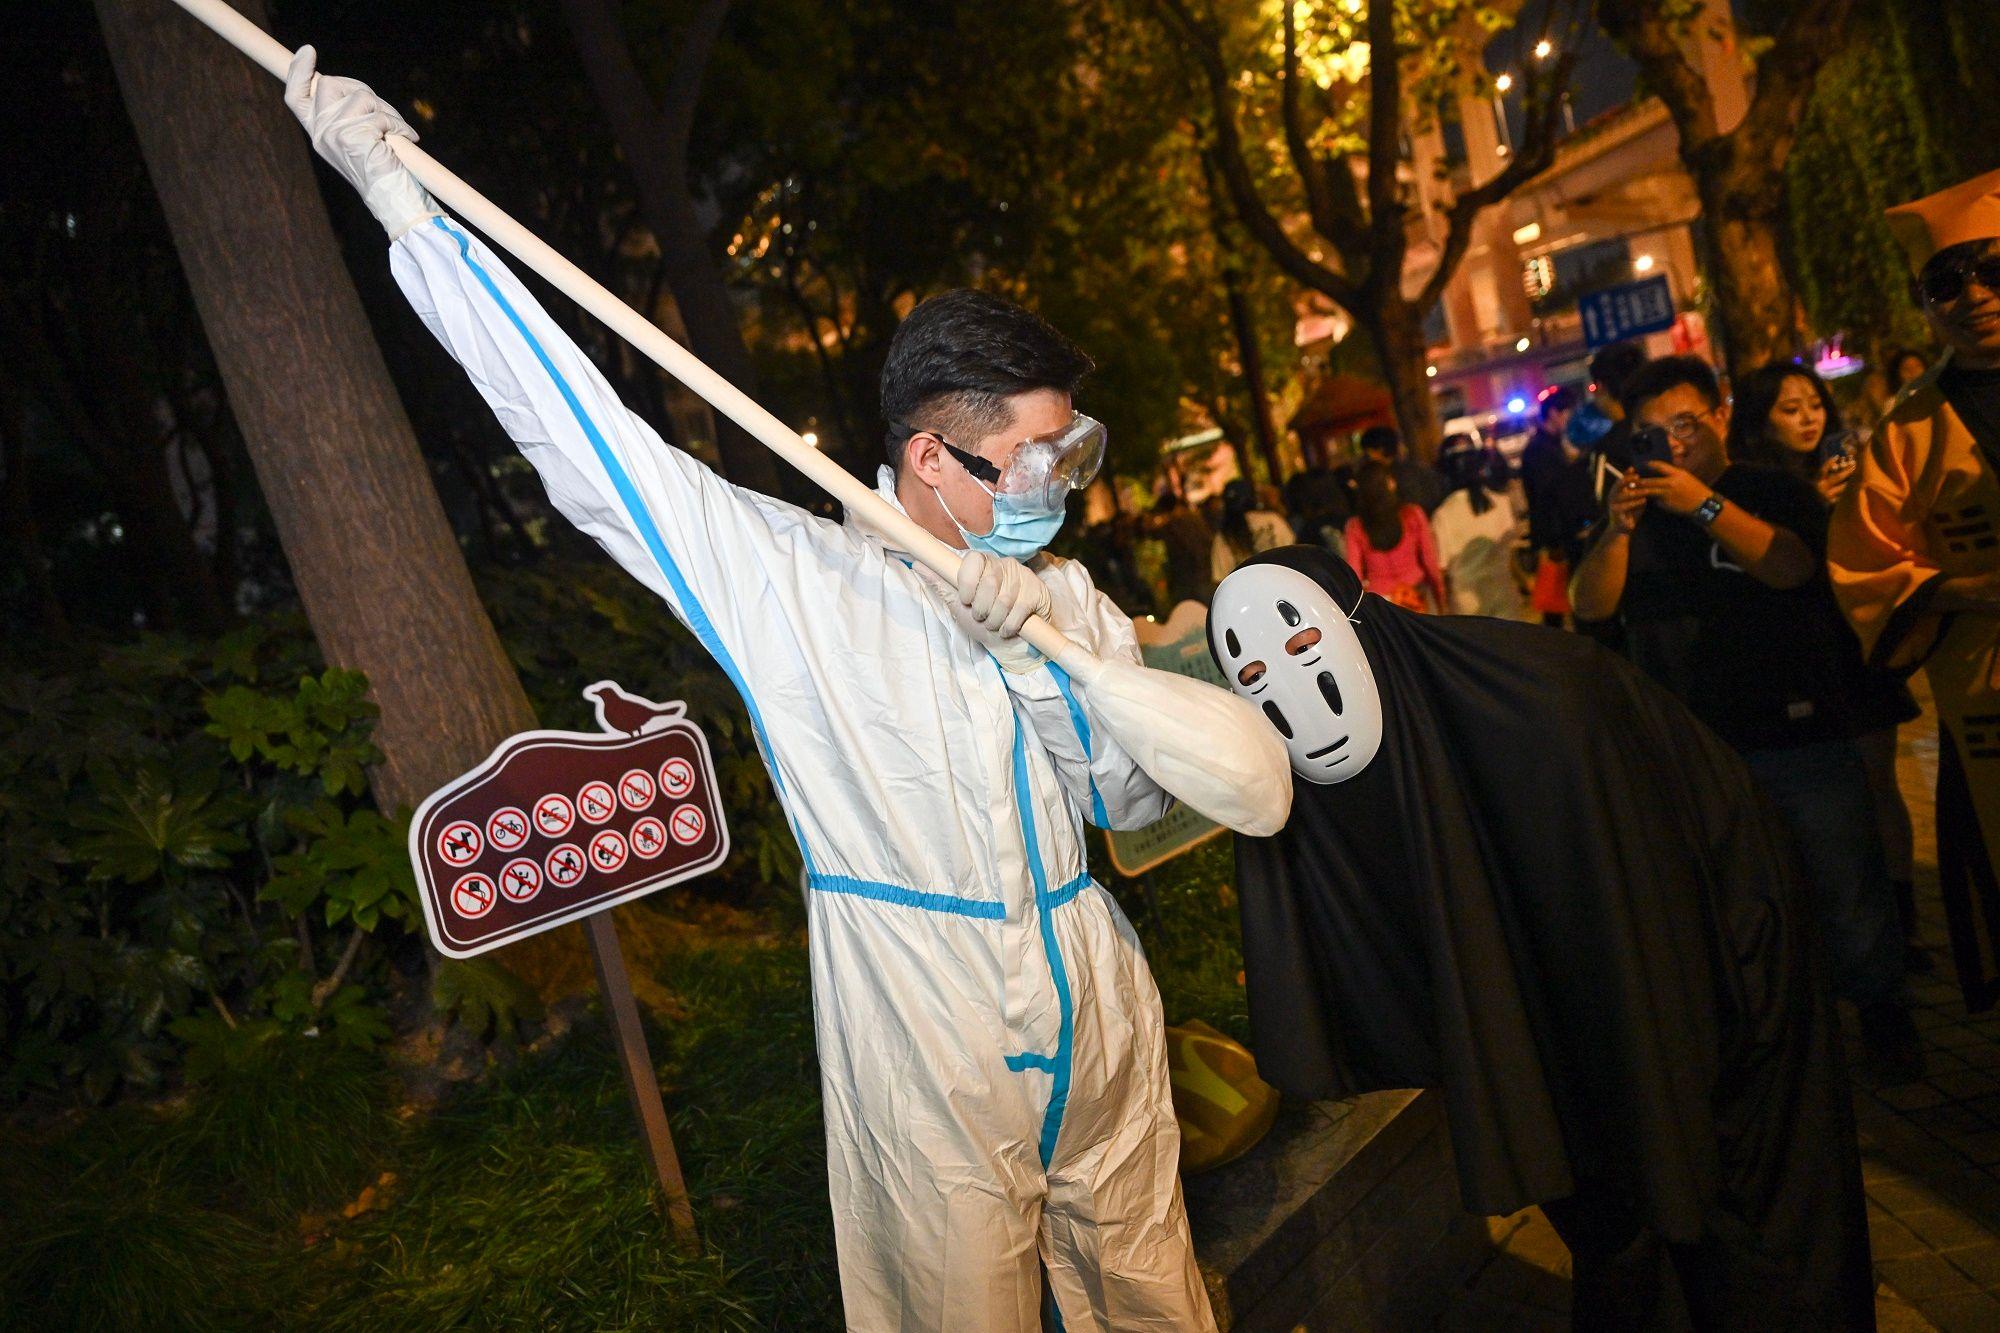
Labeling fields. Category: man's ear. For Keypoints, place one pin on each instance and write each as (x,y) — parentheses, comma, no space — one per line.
(923,457)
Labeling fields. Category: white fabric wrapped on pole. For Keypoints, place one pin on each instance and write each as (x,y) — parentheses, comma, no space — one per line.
(1202,744)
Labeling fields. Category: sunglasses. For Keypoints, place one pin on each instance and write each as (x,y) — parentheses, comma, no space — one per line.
(1944,283)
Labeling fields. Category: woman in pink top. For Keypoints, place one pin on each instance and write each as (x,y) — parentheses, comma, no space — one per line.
(1390,545)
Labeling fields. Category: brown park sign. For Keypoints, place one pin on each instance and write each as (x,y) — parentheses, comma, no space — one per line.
(555,825)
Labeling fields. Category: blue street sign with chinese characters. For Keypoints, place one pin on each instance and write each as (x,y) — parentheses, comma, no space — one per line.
(1626,311)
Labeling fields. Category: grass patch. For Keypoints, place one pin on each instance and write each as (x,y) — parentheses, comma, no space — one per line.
(1185,915)
(521,1202)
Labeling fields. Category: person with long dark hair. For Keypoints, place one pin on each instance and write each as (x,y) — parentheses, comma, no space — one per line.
(1476,529)
(1391,546)
(1786,418)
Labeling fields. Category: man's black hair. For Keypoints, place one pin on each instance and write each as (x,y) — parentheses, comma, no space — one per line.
(1562,398)
(1670,372)
(1381,440)
(956,360)
(1610,368)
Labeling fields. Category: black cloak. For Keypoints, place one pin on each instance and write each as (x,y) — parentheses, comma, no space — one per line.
(1557,898)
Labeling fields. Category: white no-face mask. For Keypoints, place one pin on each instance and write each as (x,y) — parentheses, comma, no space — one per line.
(1288,648)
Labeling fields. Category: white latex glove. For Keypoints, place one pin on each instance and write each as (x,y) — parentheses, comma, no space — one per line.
(993,598)
(348,124)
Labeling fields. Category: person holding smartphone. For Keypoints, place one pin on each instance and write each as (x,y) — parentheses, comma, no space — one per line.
(1785,417)
(1716,571)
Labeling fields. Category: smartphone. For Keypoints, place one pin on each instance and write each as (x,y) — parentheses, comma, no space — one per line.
(1838,450)
(1651,445)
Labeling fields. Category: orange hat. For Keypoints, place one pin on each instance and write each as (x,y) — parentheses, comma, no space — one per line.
(1968,211)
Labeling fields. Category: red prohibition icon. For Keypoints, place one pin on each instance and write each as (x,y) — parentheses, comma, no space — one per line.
(608,850)
(649,837)
(677,778)
(521,879)
(687,825)
(565,865)
(554,814)
(507,829)
(596,803)
(636,790)
(473,895)
(460,843)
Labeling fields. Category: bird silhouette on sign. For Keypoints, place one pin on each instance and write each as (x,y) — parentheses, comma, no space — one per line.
(618,711)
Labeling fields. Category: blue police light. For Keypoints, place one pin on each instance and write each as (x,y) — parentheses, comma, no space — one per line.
(1517,405)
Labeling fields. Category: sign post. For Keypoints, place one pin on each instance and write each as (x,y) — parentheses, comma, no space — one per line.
(642,1084)
(557,826)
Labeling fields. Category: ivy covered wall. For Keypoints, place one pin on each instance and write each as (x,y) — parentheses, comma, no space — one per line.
(1896,115)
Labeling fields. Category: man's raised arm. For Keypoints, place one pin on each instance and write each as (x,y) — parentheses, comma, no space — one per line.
(693,538)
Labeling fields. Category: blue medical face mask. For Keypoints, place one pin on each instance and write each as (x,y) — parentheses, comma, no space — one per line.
(1019,532)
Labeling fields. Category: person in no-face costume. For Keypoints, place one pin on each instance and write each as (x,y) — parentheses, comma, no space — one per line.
(1522,874)
(1914,551)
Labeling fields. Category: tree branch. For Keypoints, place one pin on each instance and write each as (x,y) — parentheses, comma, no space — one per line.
(690,63)
(1812,32)
(1226,158)
(1385,136)
(1536,151)
(1323,206)
(324,990)
(1648,37)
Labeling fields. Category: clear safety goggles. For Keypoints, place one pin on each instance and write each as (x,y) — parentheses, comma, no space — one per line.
(1042,470)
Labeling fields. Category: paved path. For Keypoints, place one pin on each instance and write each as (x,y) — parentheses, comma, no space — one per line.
(1930,1152)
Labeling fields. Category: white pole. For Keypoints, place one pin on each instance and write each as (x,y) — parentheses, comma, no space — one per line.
(1202,744)
(475,208)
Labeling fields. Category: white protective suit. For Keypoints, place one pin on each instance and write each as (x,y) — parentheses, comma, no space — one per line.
(990,1039)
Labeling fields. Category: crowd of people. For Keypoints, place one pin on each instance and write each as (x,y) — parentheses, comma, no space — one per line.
(1698,528)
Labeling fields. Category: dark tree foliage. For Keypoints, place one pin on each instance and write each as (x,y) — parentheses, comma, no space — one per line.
(1912,105)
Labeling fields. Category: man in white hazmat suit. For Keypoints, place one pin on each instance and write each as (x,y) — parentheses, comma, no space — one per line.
(990,1039)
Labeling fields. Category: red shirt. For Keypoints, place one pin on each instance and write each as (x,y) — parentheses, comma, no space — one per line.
(1408,574)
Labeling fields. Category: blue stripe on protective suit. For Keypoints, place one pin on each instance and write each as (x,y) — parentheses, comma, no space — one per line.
(1081,722)
(1044,904)
(642,519)
(893,893)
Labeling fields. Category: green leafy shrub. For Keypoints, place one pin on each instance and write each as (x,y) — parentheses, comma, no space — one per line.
(180,826)
(188,851)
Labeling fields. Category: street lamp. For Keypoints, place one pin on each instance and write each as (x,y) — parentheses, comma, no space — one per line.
(1643,264)
(1501,85)
(1544,49)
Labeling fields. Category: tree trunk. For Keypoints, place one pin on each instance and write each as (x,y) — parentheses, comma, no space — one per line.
(376,564)
(18,524)
(127,448)
(1397,334)
(1757,318)
(655,150)
(1252,359)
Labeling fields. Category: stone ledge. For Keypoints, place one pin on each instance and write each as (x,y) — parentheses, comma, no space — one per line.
(1346,1216)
